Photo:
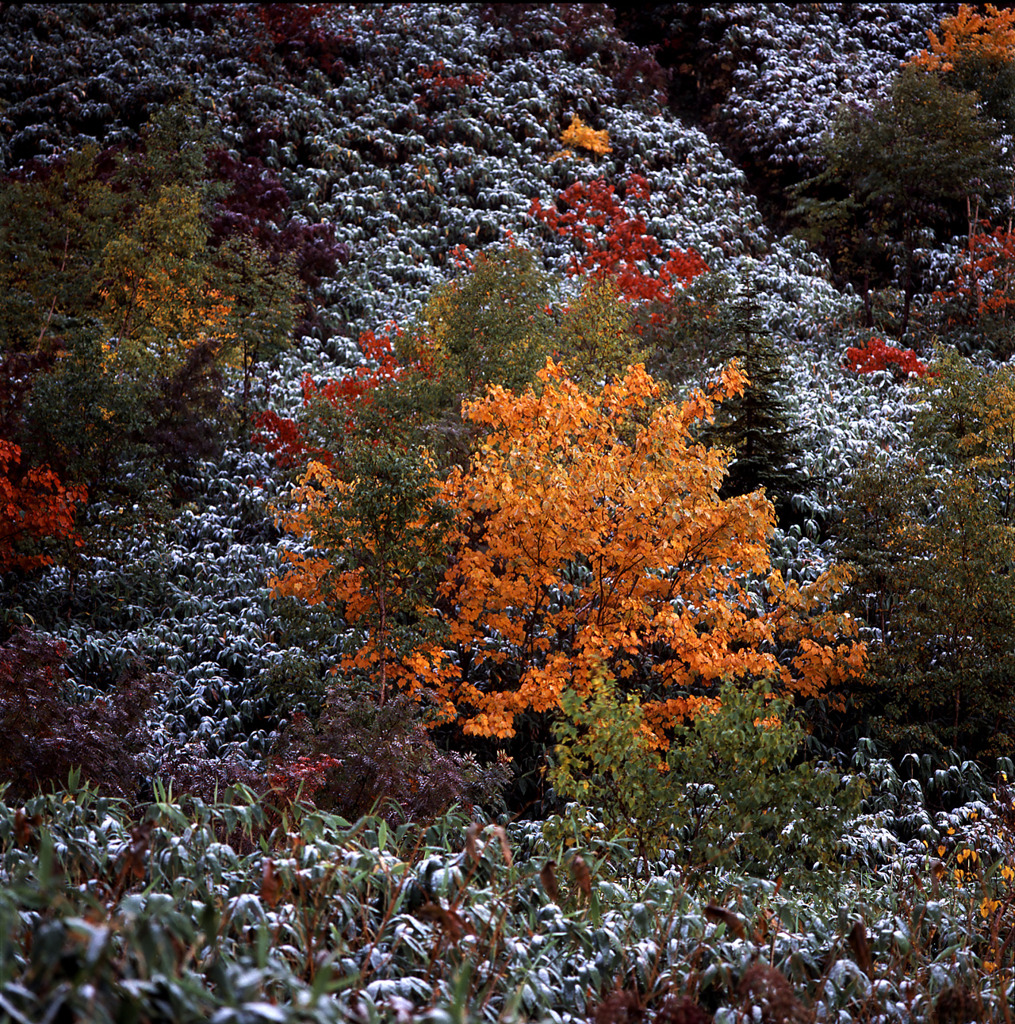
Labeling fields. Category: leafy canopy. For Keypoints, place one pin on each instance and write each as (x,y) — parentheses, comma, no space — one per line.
(933,544)
(895,172)
(379,537)
(591,537)
(580,135)
(975,51)
(729,792)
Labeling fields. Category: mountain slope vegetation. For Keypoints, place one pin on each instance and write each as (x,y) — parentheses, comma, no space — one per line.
(508,512)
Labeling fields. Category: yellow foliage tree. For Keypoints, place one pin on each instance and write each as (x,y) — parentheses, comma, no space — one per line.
(596,338)
(580,135)
(970,35)
(158,300)
(591,538)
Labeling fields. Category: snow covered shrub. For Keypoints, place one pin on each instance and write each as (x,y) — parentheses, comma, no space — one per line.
(771,75)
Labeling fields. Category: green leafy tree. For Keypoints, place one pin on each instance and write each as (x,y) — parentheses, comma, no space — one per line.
(490,326)
(596,338)
(380,549)
(263,294)
(494,324)
(699,326)
(53,227)
(895,173)
(932,541)
(880,502)
(729,791)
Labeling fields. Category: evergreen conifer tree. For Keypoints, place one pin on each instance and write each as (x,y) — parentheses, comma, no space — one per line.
(756,426)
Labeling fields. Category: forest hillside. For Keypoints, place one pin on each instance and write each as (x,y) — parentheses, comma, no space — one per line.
(507,512)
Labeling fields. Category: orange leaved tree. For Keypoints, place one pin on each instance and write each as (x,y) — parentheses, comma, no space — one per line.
(970,36)
(34,507)
(591,538)
(975,53)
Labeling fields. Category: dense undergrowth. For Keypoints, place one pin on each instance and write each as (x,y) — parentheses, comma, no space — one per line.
(251,911)
(246,257)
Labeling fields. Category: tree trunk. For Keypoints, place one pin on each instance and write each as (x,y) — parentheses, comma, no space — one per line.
(907,301)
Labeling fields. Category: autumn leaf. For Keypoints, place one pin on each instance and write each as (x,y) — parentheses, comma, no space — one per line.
(35,507)
(579,134)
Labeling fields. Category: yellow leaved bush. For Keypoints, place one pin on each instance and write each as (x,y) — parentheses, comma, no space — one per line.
(581,136)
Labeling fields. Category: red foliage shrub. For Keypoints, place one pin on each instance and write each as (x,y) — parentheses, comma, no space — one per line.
(289,441)
(286,440)
(300,32)
(984,282)
(616,243)
(301,778)
(34,506)
(361,757)
(258,206)
(879,356)
(357,388)
(436,87)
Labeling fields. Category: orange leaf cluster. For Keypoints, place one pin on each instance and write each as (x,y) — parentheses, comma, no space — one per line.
(36,507)
(988,37)
(579,134)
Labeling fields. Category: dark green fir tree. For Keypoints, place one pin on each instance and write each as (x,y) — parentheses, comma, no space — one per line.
(757,427)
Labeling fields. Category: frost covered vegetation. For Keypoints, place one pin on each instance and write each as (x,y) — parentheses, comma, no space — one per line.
(502,521)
